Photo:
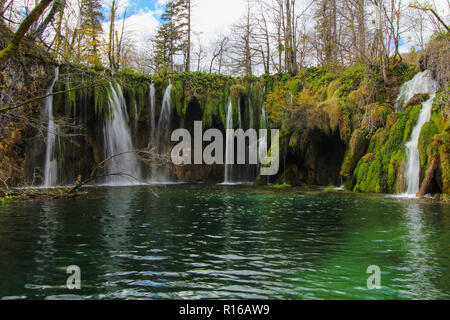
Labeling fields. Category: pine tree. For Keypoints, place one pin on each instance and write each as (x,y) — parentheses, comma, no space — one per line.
(173,37)
(91,30)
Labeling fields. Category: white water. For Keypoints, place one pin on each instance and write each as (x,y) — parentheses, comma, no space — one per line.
(262,142)
(123,166)
(152,114)
(229,153)
(51,164)
(162,133)
(422,83)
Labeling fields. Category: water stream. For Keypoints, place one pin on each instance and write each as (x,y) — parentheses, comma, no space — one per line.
(421,83)
(51,163)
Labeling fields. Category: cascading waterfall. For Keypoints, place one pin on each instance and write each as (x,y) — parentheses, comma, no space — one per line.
(51,164)
(421,83)
(152,98)
(163,133)
(229,153)
(122,167)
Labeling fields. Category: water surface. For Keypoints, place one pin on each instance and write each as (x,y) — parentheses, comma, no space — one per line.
(224,242)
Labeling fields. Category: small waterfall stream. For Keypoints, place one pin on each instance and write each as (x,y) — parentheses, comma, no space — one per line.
(152,98)
(421,83)
(123,167)
(229,153)
(162,134)
(51,164)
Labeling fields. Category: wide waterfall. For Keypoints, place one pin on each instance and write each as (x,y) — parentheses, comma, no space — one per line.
(162,134)
(422,83)
(51,164)
(229,152)
(122,166)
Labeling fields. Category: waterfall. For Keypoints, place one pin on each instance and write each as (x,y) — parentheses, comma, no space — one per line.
(123,167)
(152,114)
(229,153)
(422,83)
(163,133)
(51,164)
(250,109)
(262,142)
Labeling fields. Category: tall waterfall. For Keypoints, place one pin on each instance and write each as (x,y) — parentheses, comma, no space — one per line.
(122,166)
(422,83)
(51,164)
(152,113)
(229,152)
(163,134)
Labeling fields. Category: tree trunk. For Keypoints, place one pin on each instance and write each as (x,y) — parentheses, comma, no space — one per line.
(31,18)
(360,17)
(188,49)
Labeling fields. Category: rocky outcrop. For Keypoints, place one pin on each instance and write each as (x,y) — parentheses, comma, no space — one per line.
(22,77)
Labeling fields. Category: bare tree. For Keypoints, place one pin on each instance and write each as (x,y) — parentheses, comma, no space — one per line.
(219,49)
(199,54)
(26,24)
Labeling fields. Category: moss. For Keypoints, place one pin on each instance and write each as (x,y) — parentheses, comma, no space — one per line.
(332,88)
(357,147)
(413,115)
(425,139)
(445,167)
(281,186)
(368,175)
(257,97)
(398,158)
(177,98)
(345,122)
(70,100)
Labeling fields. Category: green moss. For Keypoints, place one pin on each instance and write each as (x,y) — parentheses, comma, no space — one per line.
(398,158)
(444,151)
(425,139)
(368,175)
(357,147)
(177,98)
(281,186)
(413,116)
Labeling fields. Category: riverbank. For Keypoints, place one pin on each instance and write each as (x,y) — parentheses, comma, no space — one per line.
(19,195)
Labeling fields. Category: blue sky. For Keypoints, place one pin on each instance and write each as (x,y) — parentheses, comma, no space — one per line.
(143,5)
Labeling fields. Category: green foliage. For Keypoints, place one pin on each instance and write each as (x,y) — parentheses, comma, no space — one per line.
(377,171)
(398,158)
(177,98)
(357,147)
(425,140)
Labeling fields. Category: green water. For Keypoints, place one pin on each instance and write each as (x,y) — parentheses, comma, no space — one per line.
(207,241)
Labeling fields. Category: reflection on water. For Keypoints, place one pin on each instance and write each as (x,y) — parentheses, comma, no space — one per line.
(420,257)
(204,241)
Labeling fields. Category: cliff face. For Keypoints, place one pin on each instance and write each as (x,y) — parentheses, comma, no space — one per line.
(22,77)
(338,125)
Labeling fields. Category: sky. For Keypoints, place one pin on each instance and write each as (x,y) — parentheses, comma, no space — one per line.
(210,18)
